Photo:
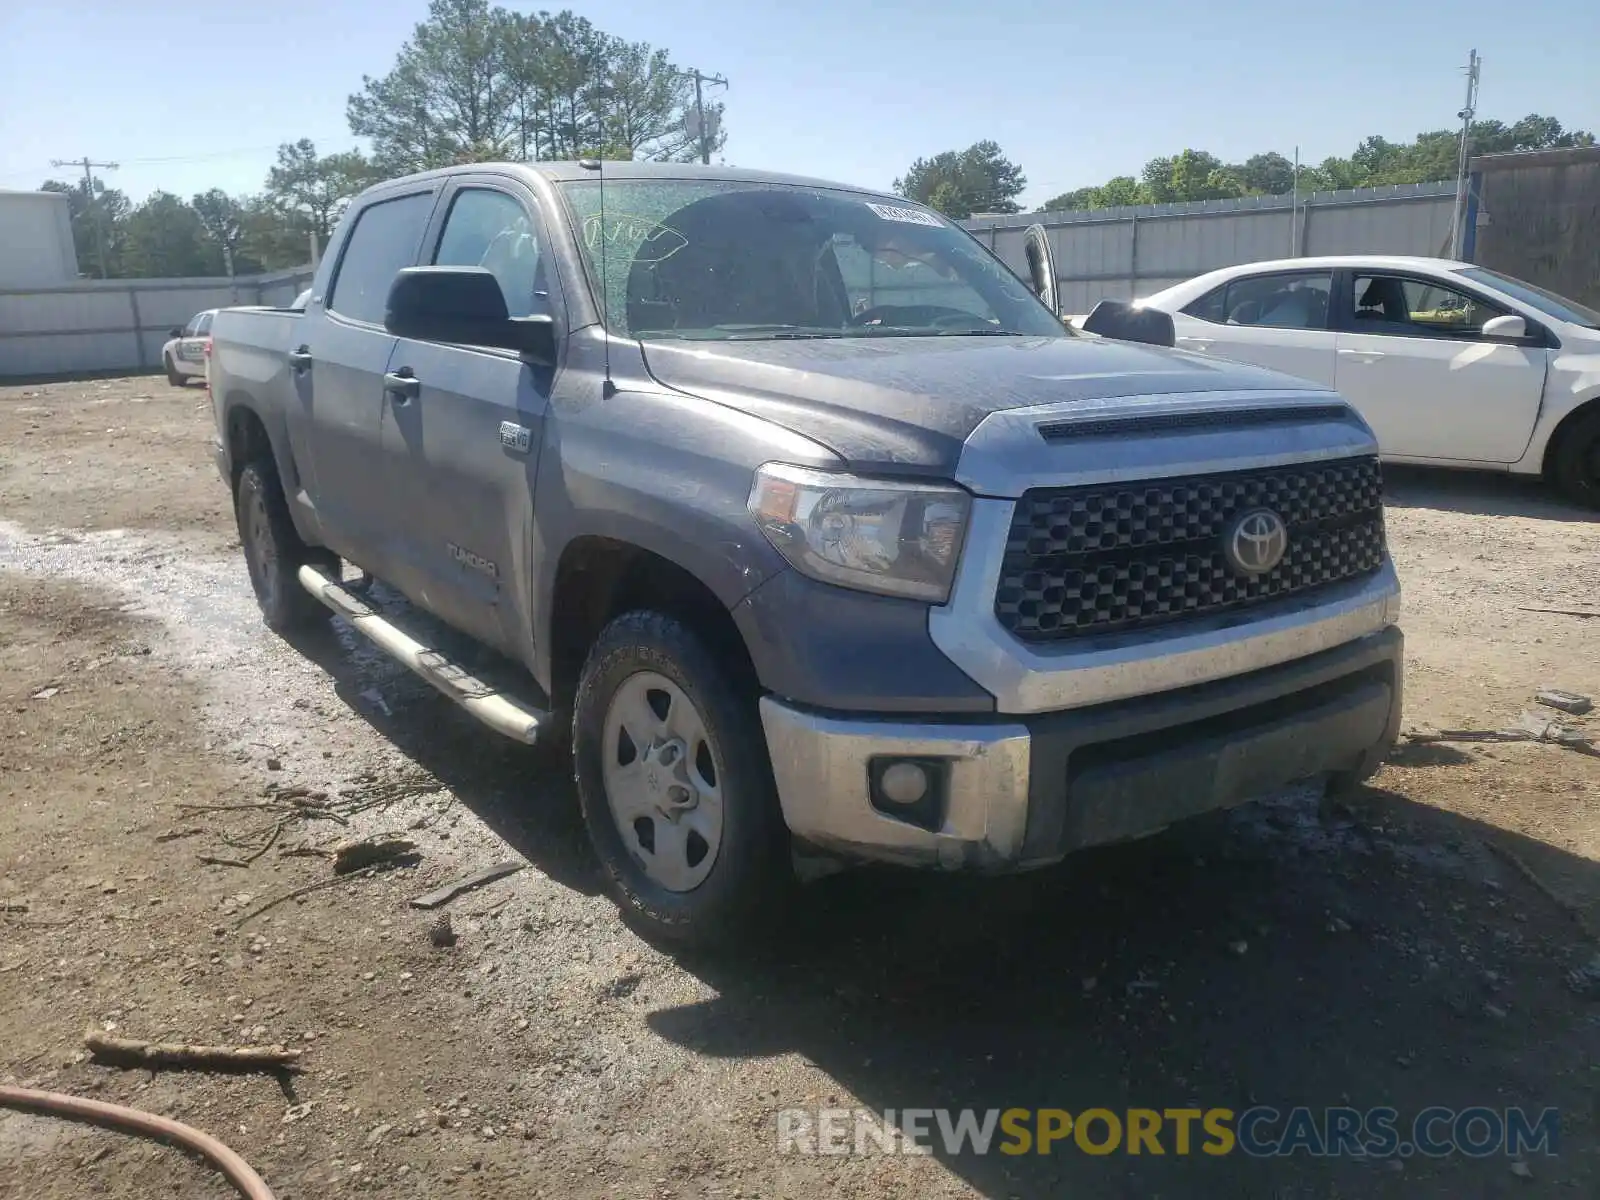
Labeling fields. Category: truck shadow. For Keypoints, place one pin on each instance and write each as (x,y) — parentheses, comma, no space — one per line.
(1490,493)
(1283,954)
(521,794)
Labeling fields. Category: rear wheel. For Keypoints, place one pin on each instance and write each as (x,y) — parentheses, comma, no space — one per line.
(675,785)
(274,552)
(173,376)
(1576,469)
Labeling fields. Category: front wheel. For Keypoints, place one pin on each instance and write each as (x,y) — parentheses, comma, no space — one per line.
(1577,462)
(675,785)
(173,376)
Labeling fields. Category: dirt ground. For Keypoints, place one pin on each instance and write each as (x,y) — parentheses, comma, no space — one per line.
(1415,947)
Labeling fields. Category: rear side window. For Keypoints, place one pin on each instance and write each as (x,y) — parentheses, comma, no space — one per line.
(203,327)
(1293,301)
(384,240)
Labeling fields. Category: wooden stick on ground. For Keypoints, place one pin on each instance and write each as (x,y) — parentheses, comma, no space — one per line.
(128,1052)
(477,879)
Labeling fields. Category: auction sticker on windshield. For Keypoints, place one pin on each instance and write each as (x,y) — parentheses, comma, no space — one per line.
(909,216)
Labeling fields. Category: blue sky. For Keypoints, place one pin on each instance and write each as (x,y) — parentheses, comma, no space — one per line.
(192,96)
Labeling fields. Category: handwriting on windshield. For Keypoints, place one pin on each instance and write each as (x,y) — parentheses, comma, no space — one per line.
(640,239)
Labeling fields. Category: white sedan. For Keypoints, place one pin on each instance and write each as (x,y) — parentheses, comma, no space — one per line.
(1451,364)
(184,356)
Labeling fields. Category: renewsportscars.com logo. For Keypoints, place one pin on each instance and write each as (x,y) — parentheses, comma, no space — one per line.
(1259,1132)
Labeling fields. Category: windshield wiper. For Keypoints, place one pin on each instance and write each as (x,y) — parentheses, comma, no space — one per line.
(927,331)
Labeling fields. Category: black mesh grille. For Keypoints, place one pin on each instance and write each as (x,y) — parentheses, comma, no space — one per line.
(1129,555)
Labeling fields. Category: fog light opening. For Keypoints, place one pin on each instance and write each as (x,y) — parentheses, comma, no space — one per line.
(914,790)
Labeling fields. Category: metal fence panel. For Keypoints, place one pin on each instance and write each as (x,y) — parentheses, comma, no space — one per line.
(1124,253)
(111,325)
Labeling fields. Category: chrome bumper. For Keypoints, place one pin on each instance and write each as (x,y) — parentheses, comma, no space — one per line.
(1025,792)
(821,766)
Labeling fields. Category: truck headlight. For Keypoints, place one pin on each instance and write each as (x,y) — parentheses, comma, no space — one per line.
(876,535)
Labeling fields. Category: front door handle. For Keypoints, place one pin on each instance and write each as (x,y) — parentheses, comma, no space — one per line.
(402,385)
(1198,343)
(300,358)
(1362,355)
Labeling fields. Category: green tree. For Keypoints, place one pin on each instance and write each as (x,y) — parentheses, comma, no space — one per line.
(104,217)
(449,93)
(1121,191)
(1431,155)
(276,237)
(1199,175)
(222,218)
(1269,174)
(166,240)
(317,187)
(979,179)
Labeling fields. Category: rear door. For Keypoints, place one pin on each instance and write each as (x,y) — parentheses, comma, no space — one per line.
(339,367)
(461,442)
(1277,320)
(1412,359)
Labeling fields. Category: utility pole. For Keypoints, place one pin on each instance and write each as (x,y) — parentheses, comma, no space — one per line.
(700,129)
(88,192)
(1466,115)
(1294,208)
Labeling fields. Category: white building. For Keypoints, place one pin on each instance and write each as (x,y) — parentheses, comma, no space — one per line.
(36,240)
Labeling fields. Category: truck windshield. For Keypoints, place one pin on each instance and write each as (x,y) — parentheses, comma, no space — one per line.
(721,260)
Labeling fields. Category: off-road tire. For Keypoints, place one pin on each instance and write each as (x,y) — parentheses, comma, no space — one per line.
(1575,469)
(273,551)
(752,871)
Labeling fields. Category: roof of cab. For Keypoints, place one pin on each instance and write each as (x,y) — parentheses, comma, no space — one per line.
(561,172)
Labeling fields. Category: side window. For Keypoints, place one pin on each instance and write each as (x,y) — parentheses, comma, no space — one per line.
(1213,306)
(192,329)
(901,278)
(384,240)
(1416,308)
(1279,301)
(493,230)
(203,325)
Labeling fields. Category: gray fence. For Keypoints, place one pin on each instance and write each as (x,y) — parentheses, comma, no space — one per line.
(1127,253)
(119,324)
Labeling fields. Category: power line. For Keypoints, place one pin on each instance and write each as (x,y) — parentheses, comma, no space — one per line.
(175,158)
(88,166)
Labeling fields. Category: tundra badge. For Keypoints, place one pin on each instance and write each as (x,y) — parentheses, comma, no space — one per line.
(515,437)
(474,562)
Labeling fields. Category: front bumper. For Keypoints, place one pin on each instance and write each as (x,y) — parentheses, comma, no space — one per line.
(1025,792)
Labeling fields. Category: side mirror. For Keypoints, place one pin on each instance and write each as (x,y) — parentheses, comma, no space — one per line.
(175,333)
(464,305)
(1129,323)
(1508,328)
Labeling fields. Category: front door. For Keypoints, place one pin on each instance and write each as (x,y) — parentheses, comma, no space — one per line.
(461,437)
(339,357)
(1278,320)
(1412,359)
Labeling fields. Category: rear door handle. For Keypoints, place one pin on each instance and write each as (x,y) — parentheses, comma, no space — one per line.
(1202,343)
(300,358)
(1362,355)
(402,385)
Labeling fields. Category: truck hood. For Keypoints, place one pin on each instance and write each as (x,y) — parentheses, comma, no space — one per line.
(910,402)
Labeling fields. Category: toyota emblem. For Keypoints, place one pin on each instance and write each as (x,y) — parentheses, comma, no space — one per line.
(1256,542)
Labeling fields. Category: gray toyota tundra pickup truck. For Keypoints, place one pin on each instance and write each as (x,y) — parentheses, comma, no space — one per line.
(809,530)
